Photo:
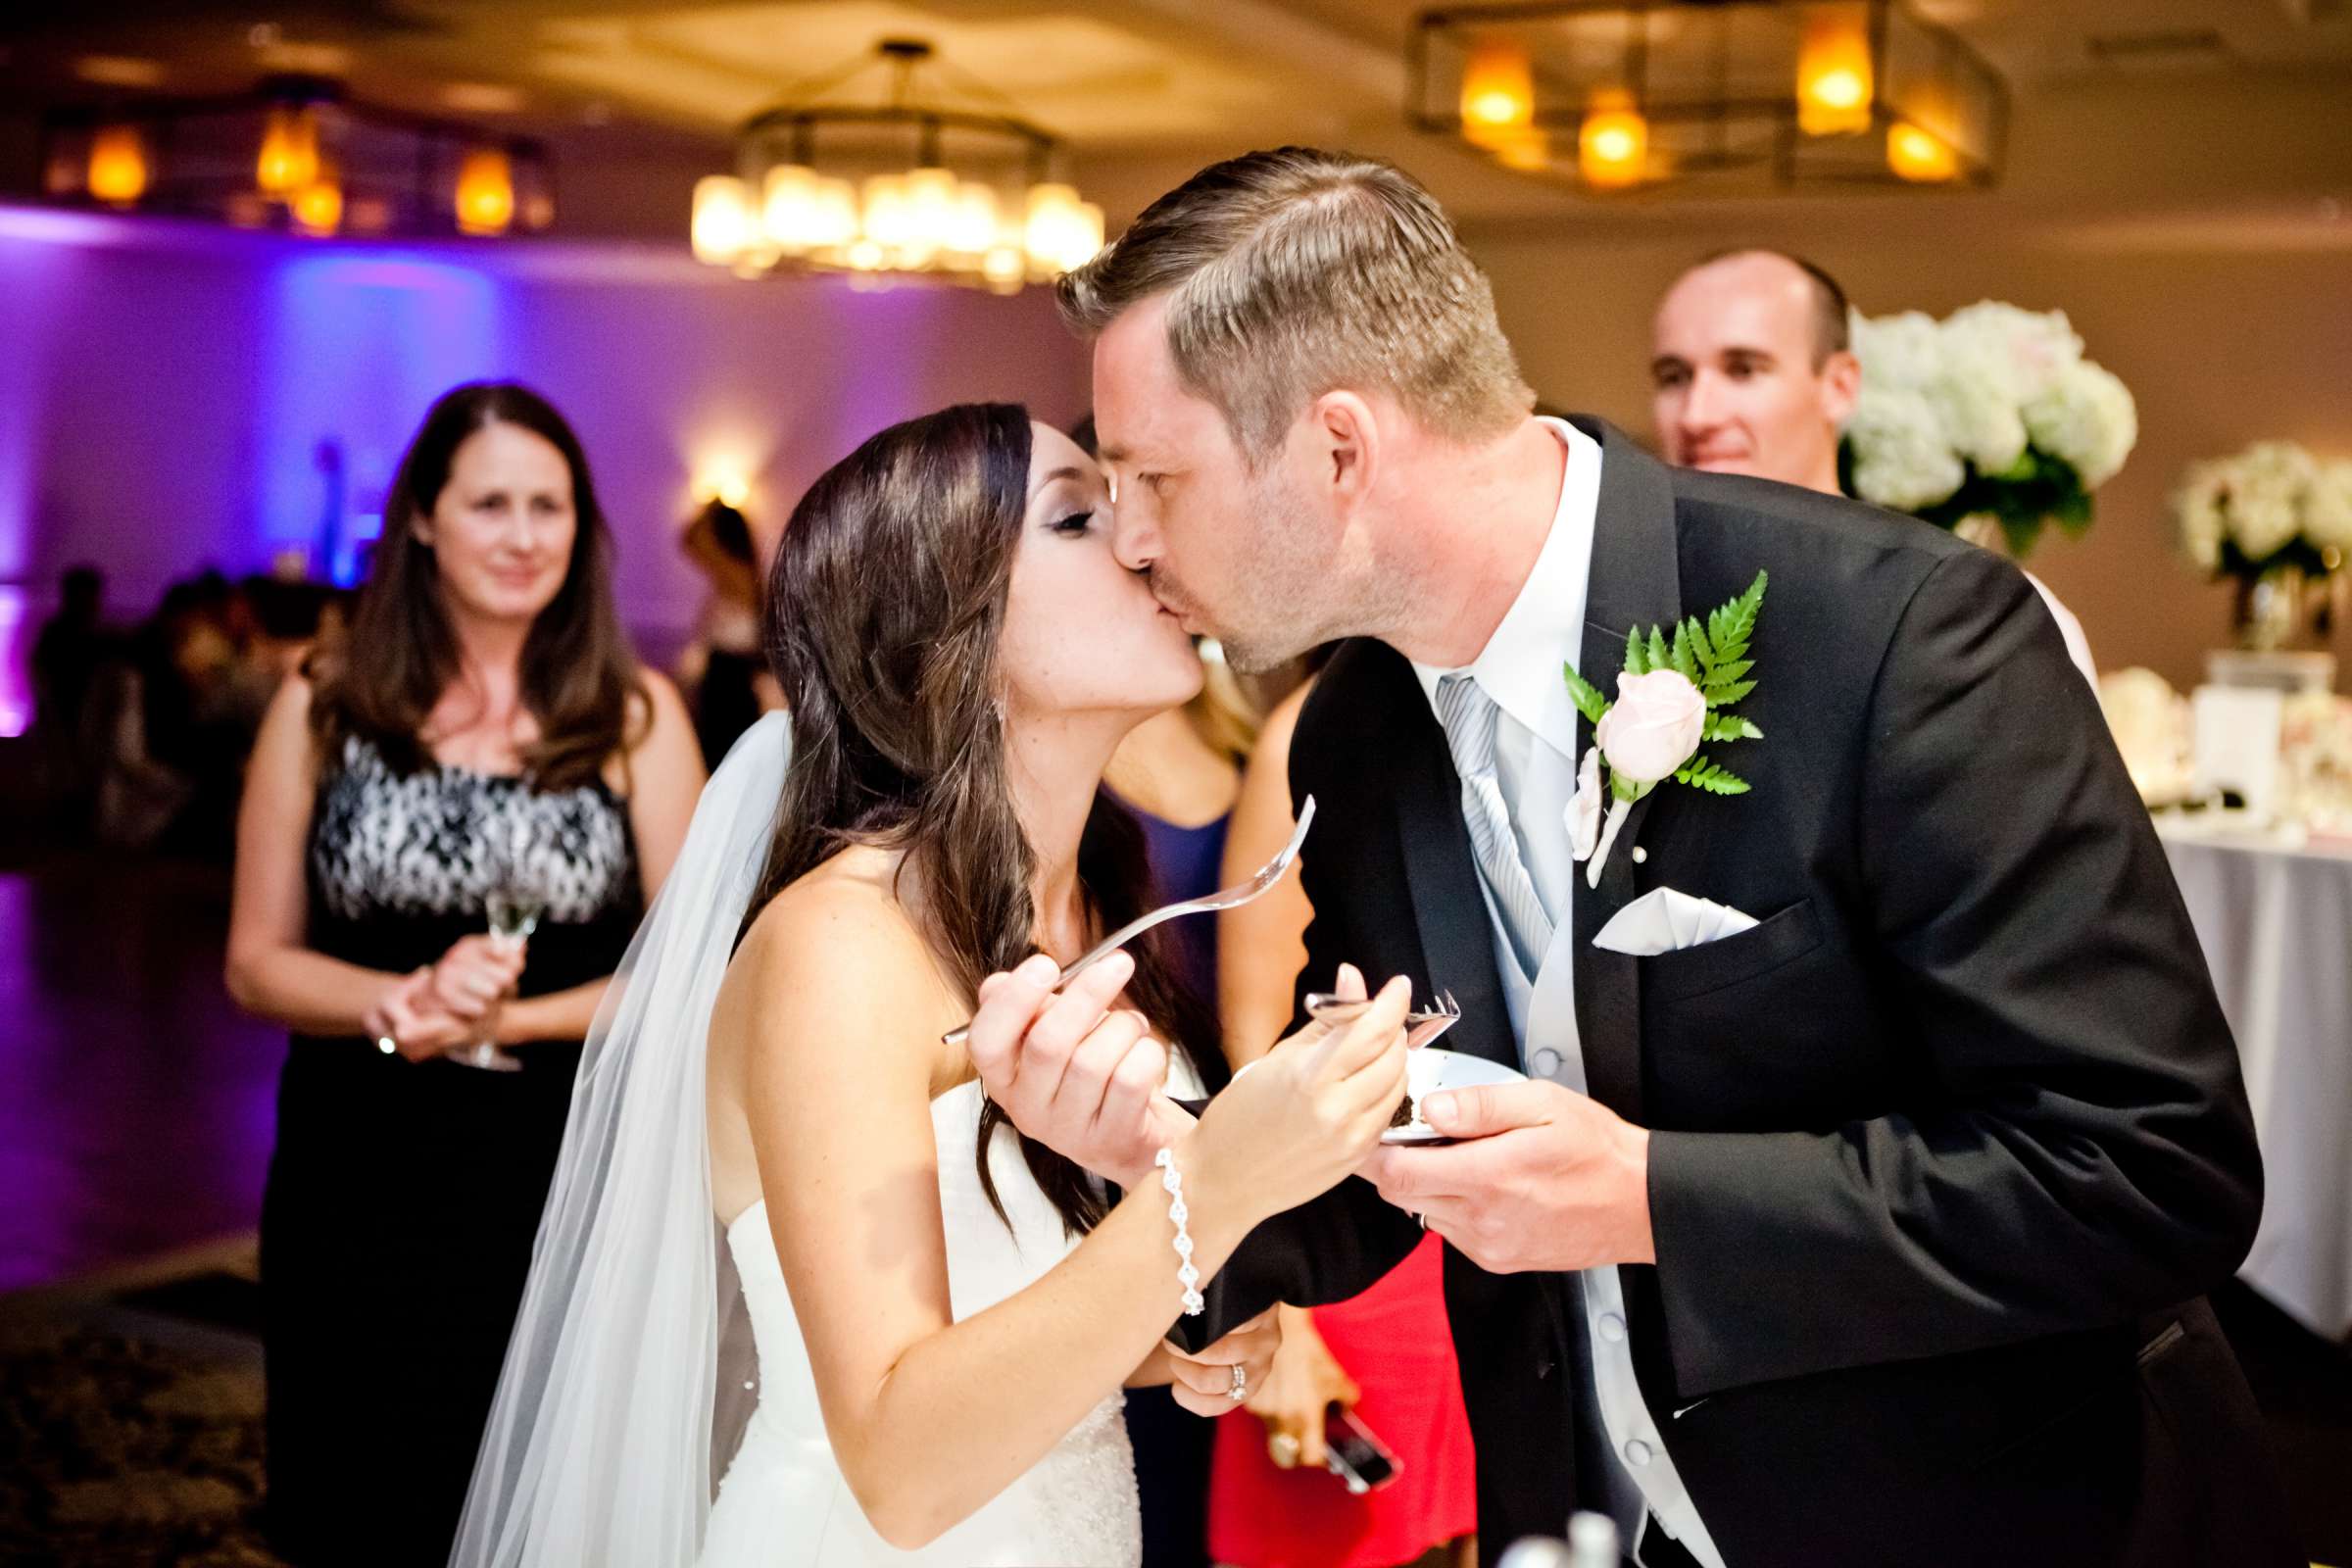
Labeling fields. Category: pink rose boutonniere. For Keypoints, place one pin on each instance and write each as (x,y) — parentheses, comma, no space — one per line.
(1673,696)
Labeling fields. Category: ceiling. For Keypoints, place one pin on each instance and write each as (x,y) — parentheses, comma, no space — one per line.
(2125,110)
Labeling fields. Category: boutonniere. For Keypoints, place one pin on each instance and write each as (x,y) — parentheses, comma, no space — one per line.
(1673,698)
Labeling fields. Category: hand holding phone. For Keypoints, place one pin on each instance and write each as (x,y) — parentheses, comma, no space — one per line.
(1354,1453)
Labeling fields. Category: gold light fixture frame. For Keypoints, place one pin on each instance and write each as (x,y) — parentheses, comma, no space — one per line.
(1719,89)
(297,154)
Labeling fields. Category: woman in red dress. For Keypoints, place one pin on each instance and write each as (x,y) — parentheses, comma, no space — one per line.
(1386,1356)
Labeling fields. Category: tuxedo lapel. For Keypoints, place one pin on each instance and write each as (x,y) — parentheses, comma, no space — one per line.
(1458,940)
(1634,582)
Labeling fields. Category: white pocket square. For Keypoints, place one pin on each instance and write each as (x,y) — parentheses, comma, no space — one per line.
(1663,920)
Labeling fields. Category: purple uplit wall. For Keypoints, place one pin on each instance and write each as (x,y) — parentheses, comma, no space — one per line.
(16,644)
(174,397)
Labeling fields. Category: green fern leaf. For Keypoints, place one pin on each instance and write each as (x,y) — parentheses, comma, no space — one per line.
(1726,695)
(1732,625)
(1728,727)
(1741,614)
(1660,656)
(1700,647)
(1685,662)
(1705,775)
(1589,700)
(1637,653)
(1719,632)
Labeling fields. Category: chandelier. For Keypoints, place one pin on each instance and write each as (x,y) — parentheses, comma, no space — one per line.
(1635,94)
(913,185)
(295,154)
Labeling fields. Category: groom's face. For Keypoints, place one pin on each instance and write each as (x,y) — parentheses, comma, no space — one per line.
(1238,555)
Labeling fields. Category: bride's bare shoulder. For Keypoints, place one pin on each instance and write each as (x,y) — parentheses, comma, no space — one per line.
(844,947)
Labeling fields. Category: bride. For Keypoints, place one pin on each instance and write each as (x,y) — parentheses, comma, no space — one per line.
(768,1130)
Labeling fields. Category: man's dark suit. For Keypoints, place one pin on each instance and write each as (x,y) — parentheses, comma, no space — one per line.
(1945,1150)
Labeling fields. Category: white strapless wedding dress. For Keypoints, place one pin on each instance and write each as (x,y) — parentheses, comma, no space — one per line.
(784,1502)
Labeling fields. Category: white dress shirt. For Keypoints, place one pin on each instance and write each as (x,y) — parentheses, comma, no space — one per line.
(2077,646)
(1535,764)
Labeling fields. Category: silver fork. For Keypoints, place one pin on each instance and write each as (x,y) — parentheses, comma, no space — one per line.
(1232,898)
(1422,1026)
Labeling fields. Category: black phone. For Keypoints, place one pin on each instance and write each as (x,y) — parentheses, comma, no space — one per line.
(1354,1453)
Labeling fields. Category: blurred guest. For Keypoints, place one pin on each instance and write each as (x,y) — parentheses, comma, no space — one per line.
(334,491)
(721,667)
(334,623)
(172,754)
(70,646)
(278,621)
(1750,372)
(68,654)
(286,612)
(1386,1356)
(1181,774)
(485,737)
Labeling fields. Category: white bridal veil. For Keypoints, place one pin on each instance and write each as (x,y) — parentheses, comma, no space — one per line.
(630,1368)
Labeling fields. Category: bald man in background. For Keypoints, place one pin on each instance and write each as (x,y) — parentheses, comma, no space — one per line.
(1750,373)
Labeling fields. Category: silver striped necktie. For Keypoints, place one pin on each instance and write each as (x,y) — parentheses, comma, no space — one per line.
(1470,718)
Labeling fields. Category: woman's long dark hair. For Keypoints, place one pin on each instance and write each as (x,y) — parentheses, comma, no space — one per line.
(579,676)
(884,608)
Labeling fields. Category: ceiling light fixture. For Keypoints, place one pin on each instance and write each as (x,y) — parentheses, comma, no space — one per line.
(917,184)
(296,153)
(1620,95)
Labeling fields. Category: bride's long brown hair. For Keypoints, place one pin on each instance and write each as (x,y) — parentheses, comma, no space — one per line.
(884,608)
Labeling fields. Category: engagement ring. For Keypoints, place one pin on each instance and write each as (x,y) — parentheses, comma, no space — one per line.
(1241,1385)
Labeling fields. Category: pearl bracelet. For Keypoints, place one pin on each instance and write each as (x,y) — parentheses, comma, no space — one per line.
(1169,1178)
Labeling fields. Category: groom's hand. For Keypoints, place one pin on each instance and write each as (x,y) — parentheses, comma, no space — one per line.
(1543,1179)
(1082,1078)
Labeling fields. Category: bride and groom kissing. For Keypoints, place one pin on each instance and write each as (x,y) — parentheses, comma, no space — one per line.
(1872,1230)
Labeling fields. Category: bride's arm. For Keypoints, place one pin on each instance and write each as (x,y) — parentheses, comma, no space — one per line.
(839,1008)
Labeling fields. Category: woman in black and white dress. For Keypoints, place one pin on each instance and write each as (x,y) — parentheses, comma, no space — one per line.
(484,736)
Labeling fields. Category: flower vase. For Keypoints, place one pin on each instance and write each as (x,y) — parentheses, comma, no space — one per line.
(2270,613)
(1983,530)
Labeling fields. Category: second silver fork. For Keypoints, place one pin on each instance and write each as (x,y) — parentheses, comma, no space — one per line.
(1421,1025)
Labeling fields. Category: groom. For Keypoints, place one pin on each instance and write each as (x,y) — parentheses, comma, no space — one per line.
(1871,1232)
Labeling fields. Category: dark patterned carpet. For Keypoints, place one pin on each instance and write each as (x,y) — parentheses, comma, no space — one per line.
(131,1428)
(131,1423)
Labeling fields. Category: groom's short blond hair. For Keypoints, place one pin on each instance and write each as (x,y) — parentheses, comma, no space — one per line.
(1295,272)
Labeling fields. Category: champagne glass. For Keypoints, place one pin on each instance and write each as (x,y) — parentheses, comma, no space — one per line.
(513,904)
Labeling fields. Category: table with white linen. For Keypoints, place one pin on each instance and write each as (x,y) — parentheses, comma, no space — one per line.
(2275,918)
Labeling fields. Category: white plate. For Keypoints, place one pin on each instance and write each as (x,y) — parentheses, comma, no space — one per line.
(1431,1068)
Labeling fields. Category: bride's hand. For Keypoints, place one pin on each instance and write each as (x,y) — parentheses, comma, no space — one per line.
(1204,1383)
(1306,1114)
(1082,1078)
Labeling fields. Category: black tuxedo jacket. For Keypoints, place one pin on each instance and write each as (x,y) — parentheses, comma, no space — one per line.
(1944,1151)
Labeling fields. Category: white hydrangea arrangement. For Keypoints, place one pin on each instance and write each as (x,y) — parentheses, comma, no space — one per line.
(2271,505)
(1992,410)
